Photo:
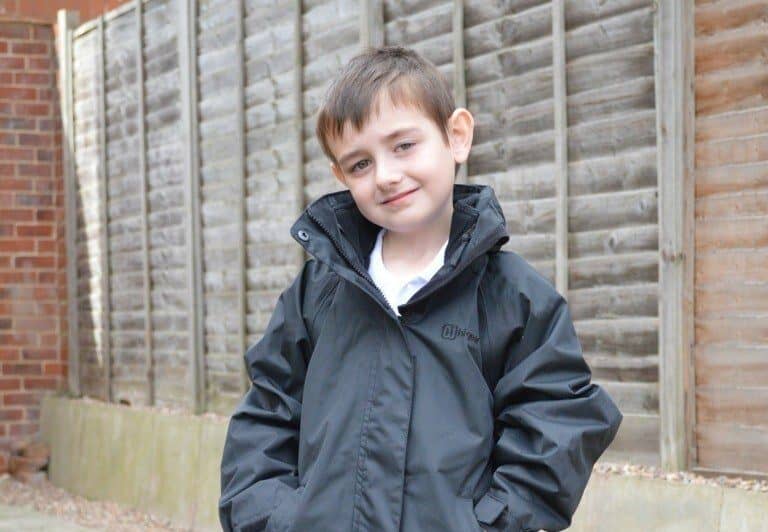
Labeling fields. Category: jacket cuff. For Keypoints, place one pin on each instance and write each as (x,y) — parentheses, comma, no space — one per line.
(283,515)
(491,514)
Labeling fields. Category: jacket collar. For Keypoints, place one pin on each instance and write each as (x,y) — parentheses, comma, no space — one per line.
(334,231)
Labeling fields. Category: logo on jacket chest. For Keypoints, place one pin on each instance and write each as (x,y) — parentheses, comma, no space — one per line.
(451,332)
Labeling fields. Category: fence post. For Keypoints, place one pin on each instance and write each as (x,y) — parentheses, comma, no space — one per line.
(675,119)
(144,193)
(66,21)
(242,191)
(104,215)
(371,23)
(298,117)
(561,146)
(459,83)
(187,50)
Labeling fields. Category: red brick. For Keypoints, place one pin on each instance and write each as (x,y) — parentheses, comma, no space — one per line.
(17,277)
(45,185)
(16,123)
(55,368)
(42,33)
(50,340)
(9,354)
(11,414)
(45,277)
(7,138)
(10,62)
(37,324)
(10,368)
(33,109)
(6,230)
(39,63)
(34,78)
(13,246)
(47,246)
(14,30)
(5,262)
(46,124)
(24,199)
(21,398)
(34,230)
(33,414)
(24,429)
(45,215)
(7,384)
(34,262)
(3,47)
(15,184)
(16,153)
(29,48)
(16,215)
(47,155)
(5,107)
(35,170)
(17,93)
(35,139)
(6,78)
(43,383)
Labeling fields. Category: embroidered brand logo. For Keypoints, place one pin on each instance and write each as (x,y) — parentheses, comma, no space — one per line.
(450,332)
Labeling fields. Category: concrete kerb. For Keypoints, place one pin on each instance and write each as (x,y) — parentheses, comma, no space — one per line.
(168,464)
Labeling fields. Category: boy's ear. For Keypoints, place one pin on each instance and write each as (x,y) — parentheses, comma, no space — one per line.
(461,129)
(338,173)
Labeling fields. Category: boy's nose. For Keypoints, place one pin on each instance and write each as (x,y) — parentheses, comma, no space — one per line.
(387,176)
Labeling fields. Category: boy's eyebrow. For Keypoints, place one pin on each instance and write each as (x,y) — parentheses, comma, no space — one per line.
(389,136)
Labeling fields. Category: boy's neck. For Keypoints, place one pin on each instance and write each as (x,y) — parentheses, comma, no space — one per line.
(406,254)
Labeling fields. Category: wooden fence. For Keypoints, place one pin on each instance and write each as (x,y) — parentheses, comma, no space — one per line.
(193,151)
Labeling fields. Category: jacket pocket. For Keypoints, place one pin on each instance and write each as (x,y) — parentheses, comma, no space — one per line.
(467,519)
(283,515)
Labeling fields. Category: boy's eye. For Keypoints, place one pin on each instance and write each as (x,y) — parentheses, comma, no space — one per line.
(354,166)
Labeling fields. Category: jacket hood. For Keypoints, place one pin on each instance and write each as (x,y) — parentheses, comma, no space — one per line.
(334,231)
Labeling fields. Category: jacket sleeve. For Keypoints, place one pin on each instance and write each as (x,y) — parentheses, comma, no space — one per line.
(259,471)
(552,423)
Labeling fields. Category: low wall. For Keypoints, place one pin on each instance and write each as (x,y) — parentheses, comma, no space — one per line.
(168,464)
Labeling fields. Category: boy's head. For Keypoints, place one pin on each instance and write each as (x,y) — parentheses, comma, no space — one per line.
(379,92)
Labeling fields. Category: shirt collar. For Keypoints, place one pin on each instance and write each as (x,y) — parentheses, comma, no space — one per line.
(425,275)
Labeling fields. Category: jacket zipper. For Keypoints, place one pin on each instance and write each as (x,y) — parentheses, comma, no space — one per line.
(353,263)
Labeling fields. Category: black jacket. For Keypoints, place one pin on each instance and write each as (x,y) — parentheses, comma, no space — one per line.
(472,411)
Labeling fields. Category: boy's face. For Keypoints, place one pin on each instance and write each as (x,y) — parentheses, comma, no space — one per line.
(416,161)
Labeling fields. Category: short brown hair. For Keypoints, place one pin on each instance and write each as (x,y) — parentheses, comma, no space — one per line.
(408,78)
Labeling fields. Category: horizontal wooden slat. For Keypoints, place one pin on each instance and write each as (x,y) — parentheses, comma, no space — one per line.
(633,397)
(743,232)
(732,446)
(735,205)
(735,330)
(606,302)
(619,337)
(731,299)
(739,150)
(733,265)
(739,405)
(730,125)
(726,365)
(713,17)
(637,440)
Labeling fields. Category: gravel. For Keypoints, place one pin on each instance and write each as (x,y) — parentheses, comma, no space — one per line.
(683,477)
(102,515)
(49,499)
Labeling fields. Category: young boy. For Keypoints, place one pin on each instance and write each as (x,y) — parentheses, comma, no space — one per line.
(414,377)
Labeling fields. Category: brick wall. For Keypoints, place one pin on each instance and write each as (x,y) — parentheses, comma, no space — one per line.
(33,350)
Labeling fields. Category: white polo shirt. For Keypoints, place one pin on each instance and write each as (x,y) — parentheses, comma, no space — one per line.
(396,289)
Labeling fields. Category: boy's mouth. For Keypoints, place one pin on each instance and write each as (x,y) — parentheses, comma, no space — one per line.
(398,196)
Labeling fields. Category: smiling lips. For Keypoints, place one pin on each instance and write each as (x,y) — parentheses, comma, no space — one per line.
(398,196)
